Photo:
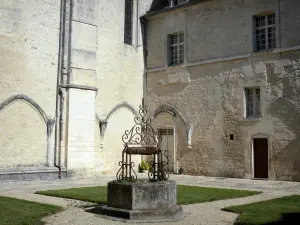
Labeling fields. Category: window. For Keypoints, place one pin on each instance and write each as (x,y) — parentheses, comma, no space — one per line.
(252,102)
(177,2)
(265,32)
(128,22)
(176,49)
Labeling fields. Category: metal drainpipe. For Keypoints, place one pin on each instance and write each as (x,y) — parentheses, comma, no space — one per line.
(137,23)
(143,25)
(58,92)
(68,79)
(144,43)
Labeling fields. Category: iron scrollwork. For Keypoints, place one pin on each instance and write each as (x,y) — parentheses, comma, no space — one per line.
(142,139)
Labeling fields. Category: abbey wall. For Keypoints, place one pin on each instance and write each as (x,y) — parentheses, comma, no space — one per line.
(72,77)
(28,67)
(67,82)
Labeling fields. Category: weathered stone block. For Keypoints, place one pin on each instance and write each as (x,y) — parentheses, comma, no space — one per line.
(141,201)
(142,195)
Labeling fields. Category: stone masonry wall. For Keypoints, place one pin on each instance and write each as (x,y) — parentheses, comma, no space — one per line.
(209,25)
(28,66)
(208,89)
(213,103)
(119,80)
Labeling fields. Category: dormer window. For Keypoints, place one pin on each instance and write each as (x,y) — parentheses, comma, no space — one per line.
(173,3)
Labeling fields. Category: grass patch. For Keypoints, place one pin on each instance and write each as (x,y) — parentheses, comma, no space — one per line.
(185,194)
(193,194)
(21,212)
(285,210)
(88,194)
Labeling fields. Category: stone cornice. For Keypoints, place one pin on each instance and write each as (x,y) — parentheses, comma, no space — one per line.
(227,58)
(82,87)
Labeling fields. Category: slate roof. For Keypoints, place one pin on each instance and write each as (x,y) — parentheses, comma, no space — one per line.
(159,6)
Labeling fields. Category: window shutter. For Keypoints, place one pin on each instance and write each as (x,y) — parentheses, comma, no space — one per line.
(128,22)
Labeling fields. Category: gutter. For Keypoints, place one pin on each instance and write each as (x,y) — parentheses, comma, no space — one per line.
(145,53)
(58,92)
(137,23)
(143,23)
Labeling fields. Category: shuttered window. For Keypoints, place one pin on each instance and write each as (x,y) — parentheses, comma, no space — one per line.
(128,22)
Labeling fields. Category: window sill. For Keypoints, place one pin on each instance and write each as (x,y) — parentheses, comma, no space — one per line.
(264,52)
(176,66)
(252,119)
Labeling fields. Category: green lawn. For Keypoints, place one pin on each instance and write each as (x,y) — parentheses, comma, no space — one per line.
(20,212)
(285,211)
(185,194)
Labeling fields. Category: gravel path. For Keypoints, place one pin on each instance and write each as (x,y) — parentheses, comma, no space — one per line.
(196,214)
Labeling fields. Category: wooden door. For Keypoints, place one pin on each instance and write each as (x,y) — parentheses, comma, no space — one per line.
(167,143)
(261,158)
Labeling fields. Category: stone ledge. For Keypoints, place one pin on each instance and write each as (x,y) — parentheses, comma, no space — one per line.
(16,170)
(139,216)
(81,87)
(38,173)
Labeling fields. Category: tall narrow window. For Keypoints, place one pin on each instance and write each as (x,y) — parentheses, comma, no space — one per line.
(252,102)
(265,35)
(176,49)
(128,22)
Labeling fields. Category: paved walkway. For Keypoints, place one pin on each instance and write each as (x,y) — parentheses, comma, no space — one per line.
(197,214)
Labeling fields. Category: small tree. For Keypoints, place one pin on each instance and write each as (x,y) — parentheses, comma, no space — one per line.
(145,165)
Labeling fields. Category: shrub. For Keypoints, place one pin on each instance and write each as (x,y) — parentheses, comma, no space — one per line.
(145,165)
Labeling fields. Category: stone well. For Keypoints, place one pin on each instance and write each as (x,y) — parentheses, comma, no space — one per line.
(143,200)
(129,198)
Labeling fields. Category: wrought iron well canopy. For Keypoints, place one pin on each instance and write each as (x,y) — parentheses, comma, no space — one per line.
(142,139)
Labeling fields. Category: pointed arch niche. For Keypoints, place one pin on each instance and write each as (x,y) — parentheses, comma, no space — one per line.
(26,133)
(118,120)
(168,120)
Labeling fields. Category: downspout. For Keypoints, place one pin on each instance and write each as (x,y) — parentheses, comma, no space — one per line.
(68,80)
(145,53)
(137,23)
(58,92)
(143,23)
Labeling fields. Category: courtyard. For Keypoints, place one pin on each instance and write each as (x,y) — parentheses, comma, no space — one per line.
(206,213)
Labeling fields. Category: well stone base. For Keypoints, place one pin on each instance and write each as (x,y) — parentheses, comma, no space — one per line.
(141,201)
(163,215)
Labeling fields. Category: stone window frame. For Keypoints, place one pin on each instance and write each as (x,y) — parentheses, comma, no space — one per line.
(261,135)
(169,44)
(262,106)
(255,100)
(265,28)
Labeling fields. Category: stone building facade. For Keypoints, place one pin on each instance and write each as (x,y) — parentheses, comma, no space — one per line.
(70,72)
(73,75)
(223,84)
